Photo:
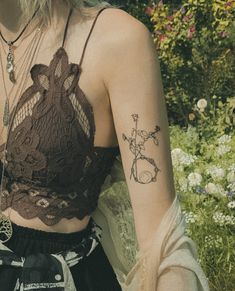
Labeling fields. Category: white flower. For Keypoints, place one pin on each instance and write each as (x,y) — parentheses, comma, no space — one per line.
(231,204)
(231,177)
(229,220)
(175,155)
(218,218)
(211,241)
(188,231)
(201,104)
(179,157)
(222,219)
(183,183)
(231,186)
(180,168)
(190,217)
(194,179)
(216,172)
(224,139)
(232,168)
(222,149)
(212,188)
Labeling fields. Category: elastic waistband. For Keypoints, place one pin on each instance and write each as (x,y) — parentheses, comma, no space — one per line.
(22,231)
(38,259)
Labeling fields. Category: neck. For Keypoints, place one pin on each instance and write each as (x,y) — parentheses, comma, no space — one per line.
(10,13)
(10,17)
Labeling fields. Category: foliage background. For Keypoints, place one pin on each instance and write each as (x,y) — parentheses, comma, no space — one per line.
(195,43)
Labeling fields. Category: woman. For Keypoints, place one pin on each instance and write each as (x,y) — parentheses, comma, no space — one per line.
(81,85)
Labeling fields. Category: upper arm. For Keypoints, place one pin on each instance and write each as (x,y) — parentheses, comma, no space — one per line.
(133,81)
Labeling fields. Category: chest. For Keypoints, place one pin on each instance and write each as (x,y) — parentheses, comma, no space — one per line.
(51,89)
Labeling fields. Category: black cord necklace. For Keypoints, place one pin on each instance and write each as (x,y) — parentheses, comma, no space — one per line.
(10,56)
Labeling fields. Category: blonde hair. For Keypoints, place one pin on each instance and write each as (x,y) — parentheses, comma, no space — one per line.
(86,7)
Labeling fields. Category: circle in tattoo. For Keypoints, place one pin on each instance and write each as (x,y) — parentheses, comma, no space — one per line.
(145,177)
(141,161)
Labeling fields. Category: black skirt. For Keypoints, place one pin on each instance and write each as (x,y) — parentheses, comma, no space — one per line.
(90,268)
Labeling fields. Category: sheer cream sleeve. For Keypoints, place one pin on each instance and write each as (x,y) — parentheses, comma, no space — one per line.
(170,262)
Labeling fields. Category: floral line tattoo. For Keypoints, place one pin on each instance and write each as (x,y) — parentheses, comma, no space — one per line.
(137,148)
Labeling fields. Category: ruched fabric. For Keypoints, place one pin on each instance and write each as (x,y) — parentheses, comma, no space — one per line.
(38,260)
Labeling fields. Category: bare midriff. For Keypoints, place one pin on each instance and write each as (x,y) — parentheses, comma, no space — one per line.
(63,226)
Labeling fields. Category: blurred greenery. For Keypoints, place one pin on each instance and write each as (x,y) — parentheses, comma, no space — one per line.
(196,45)
(204,175)
(195,42)
(137,9)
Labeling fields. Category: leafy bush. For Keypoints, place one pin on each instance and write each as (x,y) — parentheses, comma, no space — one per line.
(215,118)
(136,8)
(196,44)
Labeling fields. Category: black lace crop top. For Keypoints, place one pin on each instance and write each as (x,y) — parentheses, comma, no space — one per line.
(53,170)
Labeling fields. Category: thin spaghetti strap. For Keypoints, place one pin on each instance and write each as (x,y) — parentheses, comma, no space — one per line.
(93,24)
(66,26)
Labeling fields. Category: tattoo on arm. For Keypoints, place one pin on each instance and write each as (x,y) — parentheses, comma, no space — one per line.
(136,145)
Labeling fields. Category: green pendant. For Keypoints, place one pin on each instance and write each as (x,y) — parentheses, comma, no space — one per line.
(6,113)
(10,63)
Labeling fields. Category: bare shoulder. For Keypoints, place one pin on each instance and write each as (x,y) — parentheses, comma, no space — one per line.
(120,16)
(115,31)
(125,41)
(121,24)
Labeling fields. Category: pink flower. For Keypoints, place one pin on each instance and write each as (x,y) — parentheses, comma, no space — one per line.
(162,37)
(149,11)
(192,28)
(189,34)
(171,17)
(229,3)
(224,34)
(168,27)
(185,18)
